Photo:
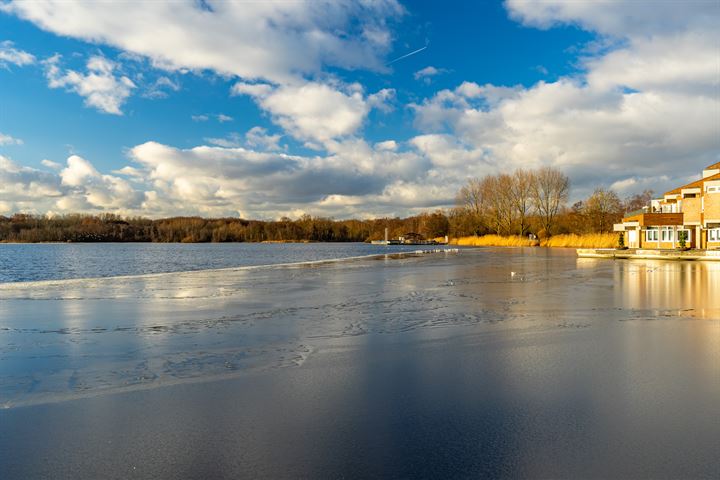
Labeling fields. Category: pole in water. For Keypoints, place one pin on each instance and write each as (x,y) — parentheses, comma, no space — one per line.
(386,234)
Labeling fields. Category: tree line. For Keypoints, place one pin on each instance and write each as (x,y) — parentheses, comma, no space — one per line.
(115,228)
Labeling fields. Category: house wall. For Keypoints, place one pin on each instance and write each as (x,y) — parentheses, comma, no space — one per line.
(692,209)
(712,206)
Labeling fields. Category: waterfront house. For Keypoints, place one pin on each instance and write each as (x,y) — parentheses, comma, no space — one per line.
(692,210)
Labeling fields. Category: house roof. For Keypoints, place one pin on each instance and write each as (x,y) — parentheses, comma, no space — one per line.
(714,166)
(695,184)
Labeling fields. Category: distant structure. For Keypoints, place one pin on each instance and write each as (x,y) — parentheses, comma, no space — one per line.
(410,238)
(691,211)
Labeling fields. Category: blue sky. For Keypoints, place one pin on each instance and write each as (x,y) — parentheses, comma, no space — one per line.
(284,108)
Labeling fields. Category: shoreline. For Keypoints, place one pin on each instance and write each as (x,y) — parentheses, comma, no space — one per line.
(392,255)
(650,254)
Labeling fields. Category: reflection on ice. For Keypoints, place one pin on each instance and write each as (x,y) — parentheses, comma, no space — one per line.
(83,337)
(667,289)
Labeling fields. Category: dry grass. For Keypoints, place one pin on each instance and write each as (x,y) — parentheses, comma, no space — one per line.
(494,241)
(590,240)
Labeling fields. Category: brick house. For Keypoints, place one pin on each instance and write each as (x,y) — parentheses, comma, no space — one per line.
(692,210)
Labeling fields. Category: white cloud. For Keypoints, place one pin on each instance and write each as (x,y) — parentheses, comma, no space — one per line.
(619,19)
(11,55)
(9,140)
(683,62)
(257,137)
(25,189)
(252,89)
(78,171)
(232,140)
(99,86)
(382,99)
(220,117)
(311,111)
(161,87)
(276,41)
(388,145)
(426,74)
(50,164)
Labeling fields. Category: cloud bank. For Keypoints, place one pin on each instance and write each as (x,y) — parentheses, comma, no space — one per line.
(642,111)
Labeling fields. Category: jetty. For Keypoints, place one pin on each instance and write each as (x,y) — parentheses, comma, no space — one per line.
(654,254)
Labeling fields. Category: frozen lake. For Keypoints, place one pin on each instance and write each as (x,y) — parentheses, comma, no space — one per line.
(510,363)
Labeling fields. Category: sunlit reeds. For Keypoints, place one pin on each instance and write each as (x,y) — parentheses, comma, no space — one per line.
(589,240)
(495,241)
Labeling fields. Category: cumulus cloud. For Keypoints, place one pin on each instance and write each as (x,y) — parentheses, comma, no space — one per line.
(100,87)
(11,55)
(275,41)
(26,189)
(9,140)
(310,111)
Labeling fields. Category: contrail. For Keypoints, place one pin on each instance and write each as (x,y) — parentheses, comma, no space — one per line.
(407,55)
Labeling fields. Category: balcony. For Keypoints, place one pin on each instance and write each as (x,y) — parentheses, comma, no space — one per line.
(655,219)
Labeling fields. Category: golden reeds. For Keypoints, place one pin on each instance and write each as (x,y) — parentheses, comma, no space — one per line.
(588,240)
(495,241)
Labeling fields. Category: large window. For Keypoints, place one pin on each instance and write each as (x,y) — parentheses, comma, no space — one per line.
(666,234)
(714,235)
(651,234)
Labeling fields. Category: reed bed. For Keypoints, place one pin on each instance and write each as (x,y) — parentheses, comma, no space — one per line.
(495,241)
(589,240)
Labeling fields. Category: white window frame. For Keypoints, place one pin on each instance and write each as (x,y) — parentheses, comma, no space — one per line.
(652,234)
(667,234)
(712,189)
(713,234)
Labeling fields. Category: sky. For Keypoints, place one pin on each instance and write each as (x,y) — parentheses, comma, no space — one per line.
(346,108)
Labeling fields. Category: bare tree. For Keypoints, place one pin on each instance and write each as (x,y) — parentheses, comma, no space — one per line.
(550,192)
(639,200)
(603,208)
(470,196)
(521,197)
(471,201)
